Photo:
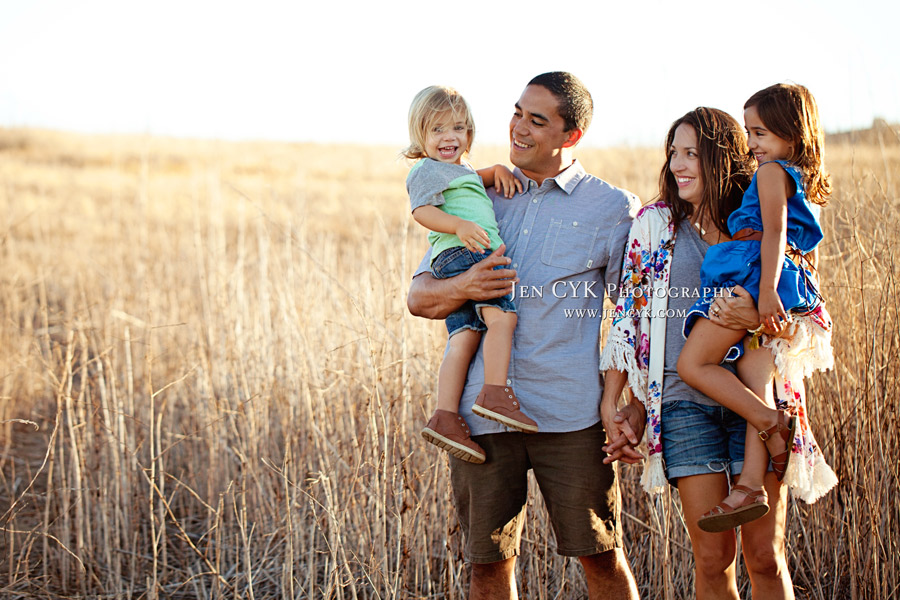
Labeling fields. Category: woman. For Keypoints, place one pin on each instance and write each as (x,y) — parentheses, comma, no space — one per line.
(700,442)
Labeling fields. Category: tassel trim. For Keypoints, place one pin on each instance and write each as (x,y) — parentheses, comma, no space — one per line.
(619,356)
(653,478)
(805,349)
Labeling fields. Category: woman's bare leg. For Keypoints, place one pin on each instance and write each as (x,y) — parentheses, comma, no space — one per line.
(714,553)
(762,542)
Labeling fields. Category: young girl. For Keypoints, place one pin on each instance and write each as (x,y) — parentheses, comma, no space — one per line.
(775,233)
(449,199)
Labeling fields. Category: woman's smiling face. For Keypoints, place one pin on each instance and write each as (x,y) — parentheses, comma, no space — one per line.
(684,162)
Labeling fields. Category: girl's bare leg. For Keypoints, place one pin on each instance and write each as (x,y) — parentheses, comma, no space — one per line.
(756,370)
(497,344)
(698,366)
(455,368)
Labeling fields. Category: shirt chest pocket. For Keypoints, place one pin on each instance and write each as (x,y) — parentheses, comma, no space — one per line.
(570,245)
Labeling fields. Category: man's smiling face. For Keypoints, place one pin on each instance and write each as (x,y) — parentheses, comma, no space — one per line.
(537,133)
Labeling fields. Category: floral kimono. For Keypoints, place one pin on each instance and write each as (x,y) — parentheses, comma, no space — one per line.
(636,346)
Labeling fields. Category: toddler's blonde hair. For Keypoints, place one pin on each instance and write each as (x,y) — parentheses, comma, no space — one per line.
(424,111)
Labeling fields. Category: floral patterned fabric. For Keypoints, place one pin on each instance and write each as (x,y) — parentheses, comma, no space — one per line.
(636,346)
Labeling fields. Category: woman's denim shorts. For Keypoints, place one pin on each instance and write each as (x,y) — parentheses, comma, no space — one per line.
(698,439)
(456,261)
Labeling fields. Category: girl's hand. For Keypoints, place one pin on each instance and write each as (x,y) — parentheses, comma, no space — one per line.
(505,182)
(473,236)
(771,311)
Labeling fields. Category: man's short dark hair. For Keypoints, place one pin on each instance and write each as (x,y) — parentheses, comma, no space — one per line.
(576,106)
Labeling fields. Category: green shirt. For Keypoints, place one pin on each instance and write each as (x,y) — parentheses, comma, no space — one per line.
(457,190)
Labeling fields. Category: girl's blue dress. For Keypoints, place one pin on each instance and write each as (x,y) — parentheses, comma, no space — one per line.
(738,262)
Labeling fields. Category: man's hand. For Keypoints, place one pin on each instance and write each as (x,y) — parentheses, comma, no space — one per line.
(483,282)
(624,430)
(436,298)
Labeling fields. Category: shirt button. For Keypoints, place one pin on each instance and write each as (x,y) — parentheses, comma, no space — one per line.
(515,265)
(509,382)
(524,231)
(535,201)
(574,223)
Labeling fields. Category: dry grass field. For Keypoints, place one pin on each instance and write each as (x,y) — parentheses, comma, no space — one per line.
(210,386)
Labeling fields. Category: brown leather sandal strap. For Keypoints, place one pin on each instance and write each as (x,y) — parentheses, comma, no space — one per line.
(765,434)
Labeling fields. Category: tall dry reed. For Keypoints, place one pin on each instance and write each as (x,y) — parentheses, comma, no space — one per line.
(210,386)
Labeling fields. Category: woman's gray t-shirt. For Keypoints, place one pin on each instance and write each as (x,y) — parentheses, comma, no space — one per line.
(684,290)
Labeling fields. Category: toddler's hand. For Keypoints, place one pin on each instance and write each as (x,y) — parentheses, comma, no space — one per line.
(771,311)
(473,236)
(505,182)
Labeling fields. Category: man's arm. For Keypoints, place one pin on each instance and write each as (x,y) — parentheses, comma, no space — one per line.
(618,240)
(436,298)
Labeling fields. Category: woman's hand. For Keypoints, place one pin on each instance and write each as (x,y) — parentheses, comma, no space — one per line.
(624,430)
(505,182)
(473,236)
(736,311)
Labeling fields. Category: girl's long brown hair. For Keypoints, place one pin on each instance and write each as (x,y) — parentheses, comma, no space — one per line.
(726,167)
(790,112)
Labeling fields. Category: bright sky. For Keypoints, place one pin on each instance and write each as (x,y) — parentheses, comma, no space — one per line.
(336,71)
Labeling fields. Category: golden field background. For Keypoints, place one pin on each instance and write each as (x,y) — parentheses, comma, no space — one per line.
(210,386)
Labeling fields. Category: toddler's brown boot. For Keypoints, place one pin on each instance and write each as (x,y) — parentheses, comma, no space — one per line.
(449,431)
(499,403)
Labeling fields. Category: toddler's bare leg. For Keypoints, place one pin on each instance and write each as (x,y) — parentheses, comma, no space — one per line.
(455,368)
(497,344)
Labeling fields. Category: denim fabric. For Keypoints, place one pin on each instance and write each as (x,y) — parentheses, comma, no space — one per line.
(454,262)
(698,439)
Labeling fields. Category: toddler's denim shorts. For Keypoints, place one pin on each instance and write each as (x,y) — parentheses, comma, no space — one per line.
(455,261)
(698,439)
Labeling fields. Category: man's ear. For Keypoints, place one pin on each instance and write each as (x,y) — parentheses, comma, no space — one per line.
(574,137)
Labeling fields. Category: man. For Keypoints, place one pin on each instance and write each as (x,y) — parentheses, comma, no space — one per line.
(564,239)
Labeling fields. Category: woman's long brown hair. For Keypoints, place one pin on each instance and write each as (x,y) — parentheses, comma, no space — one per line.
(726,167)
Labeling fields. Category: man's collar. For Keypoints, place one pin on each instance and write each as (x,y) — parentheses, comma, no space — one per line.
(567,180)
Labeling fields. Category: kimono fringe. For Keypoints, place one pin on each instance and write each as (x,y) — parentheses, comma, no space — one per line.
(811,483)
(803,351)
(653,478)
(620,357)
